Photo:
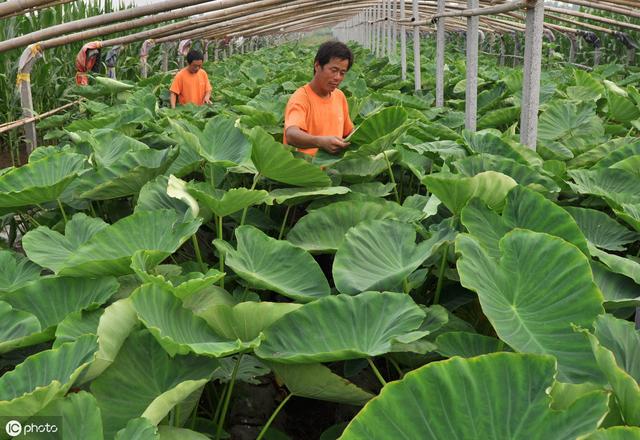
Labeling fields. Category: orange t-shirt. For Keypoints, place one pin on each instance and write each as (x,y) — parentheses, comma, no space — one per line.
(191,87)
(317,116)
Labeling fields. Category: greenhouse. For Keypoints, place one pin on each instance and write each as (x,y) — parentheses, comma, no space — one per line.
(301,220)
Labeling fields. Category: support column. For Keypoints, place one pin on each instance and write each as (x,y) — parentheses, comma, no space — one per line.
(531,77)
(378,30)
(471,96)
(403,42)
(23,81)
(392,28)
(440,45)
(573,49)
(516,48)
(144,56)
(417,78)
(503,50)
(166,47)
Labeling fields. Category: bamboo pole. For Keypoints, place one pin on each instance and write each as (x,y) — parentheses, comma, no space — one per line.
(36,8)
(11,7)
(606,20)
(19,123)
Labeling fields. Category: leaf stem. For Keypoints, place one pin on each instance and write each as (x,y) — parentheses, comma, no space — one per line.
(376,372)
(196,247)
(443,265)
(265,428)
(396,366)
(284,222)
(221,254)
(253,186)
(405,285)
(227,398)
(393,179)
(64,214)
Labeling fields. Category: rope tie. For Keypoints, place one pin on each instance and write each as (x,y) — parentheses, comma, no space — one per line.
(22,77)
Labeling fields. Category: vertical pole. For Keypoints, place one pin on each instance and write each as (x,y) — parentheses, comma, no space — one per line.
(417,79)
(28,58)
(216,48)
(383,28)
(165,56)
(393,16)
(503,50)
(471,96)
(516,48)
(389,15)
(378,29)
(403,41)
(440,43)
(531,78)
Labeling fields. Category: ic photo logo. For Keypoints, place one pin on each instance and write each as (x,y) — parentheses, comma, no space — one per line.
(13,428)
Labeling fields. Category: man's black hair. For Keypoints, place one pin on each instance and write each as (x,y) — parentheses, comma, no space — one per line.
(194,55)
(333,49)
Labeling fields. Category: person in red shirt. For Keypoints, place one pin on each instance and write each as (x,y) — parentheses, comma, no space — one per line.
(317,114)
(191,84)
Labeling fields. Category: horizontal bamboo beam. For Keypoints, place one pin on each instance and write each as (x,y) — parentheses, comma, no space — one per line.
(19,123)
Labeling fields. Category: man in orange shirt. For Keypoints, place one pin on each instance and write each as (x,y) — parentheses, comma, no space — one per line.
(317,114)
(191,84)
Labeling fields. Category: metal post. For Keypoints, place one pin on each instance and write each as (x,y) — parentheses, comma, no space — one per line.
(403,42)
(440,43)
(471,96)
(23,81)
(416,48)
(531,78)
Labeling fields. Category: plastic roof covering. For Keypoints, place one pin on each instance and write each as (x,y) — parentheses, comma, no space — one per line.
(276,19)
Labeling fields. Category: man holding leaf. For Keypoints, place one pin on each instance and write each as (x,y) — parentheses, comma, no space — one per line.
(317,114)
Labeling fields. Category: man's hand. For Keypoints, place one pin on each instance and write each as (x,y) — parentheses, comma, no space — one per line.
(331,144)
(207,100)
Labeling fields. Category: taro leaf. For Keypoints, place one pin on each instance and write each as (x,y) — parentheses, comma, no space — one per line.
(79,417)
(616,152)
(42,377)
(223,143)
(622,109)
(523,209)
(276,265)
(323,230)
(52,249)
(499,118)
(17,328)
(618,290)
(153,196)
(533,313)
(294,196)
(77,324)
(523,174)
(496,396)
(631,164)
(129,388)
(354,169)
(176,328)
(124,177)
(486,142)
(455,191)
(223,203)
(52,299)
(617,264)
(341,327)
(273,161)
(379,255)
(249,369)
(601,230)
(379,124)
(109,251)
(167,432)
(563,120)
(614,185)
(41,181)
(15,271)
(138,429)
(245,321)
(616,433)
(110,145)
(616,346)
(315,381)
(467,344)
(631,214)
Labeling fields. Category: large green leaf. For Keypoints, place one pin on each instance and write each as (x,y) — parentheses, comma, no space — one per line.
(533,294)
(614,185)
(323,230)
(15,270)
(565,120)
(79,415)
(622,109)
(124,177)
(276,265)
(630,213)
(378,125)
(294,196)
(341,327)
(617,264)
(523,209)
(223,203)
(222,142)
(380,254)
(616,433)
(315,381)
(619,291)
(52,299)
(455,190)
(153,196)
(467,344)
(176,328)
(109,251)
(496,396)
(40,181)
(33,384)
(272,160)
(247,320)
(129,388)
(601,230)
(17,328)
(616,346)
